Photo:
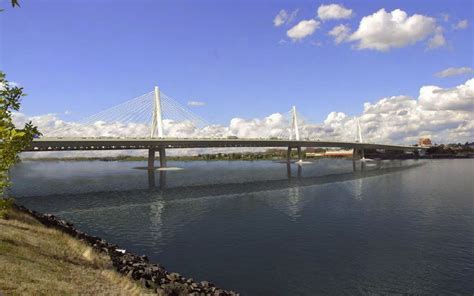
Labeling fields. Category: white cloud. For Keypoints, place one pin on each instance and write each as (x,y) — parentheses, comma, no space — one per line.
(67,112)
(333,11)
(196,103)
(284,18)
(459,98)
(386,30)
(454,71)
(437,40)
(292,16)
(461,25)
(280,18)
(303,29)
(340,33)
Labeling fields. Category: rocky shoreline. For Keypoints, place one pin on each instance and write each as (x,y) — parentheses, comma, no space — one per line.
(150,275)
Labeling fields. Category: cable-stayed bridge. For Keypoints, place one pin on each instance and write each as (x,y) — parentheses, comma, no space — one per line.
(155,121)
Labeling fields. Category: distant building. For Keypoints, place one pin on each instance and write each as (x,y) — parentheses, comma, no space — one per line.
(425,142)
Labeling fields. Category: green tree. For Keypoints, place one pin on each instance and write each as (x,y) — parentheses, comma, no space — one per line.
(14,3)
(12,139)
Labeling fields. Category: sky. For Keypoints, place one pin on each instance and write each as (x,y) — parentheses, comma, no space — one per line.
(403,68)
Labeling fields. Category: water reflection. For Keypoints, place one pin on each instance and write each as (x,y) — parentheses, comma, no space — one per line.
(330,227)
(152,179)
(160,196)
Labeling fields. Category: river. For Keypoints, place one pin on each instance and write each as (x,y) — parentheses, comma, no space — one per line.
(262,228)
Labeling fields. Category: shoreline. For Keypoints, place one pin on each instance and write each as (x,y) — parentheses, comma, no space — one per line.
(191,158)
(139,268)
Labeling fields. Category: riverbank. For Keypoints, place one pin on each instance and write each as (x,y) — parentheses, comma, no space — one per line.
(40,253)
(38,260)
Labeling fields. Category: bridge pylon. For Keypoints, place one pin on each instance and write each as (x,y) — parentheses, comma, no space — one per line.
(157,120)
(294,125)
(294,129)
(358,138)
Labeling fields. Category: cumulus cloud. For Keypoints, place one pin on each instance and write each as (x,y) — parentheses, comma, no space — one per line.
(461,25)
(303,29)
(280,18)
(384,30)
(459,98)
(333,11)
(283,17)
(196,103)
(437,40)
(454,71)
(340,33)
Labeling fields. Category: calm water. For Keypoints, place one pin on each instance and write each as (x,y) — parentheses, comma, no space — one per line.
(262,228)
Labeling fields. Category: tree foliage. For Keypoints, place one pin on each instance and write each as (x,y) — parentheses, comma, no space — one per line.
(14,3)
(12,139)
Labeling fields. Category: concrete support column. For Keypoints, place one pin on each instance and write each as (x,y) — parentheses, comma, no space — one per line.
(151,158)
(362,153)
(288,155)
(162,157)
(300,155)
(354,153)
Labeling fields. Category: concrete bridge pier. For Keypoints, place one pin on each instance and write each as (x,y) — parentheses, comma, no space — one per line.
(356,152)
(288,154)
(162,157)
(151,158)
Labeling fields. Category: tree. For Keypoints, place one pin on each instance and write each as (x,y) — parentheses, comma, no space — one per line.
(12,139)
(14,3)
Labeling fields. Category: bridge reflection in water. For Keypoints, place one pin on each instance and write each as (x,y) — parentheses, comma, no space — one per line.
(356,166)
(160,208)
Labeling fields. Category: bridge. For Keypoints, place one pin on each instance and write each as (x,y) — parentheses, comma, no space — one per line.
(153,111)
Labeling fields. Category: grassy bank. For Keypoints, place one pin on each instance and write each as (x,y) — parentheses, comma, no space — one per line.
(36,260)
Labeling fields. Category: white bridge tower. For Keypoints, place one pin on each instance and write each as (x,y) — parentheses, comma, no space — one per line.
(294,125)
(358,138)
(157,121)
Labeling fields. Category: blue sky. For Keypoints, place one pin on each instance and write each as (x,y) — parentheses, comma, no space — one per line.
(84,56)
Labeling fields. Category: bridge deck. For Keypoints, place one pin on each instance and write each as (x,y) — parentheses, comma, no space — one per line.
(71,144)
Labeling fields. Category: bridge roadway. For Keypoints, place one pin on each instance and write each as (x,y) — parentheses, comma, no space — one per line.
(160,144)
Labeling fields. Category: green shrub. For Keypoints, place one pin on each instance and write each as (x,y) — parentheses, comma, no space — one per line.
(5,206)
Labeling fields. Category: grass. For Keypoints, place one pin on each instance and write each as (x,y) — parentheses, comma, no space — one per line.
(36,260)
